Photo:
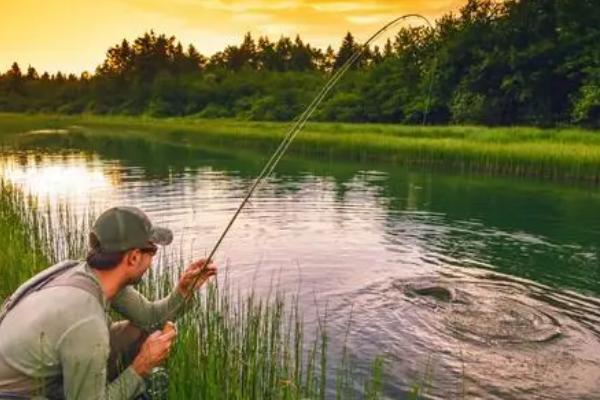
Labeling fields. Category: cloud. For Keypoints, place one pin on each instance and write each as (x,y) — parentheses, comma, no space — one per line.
(74,34)
(320,22)
(345,6)
(368,19)
(253,17)
(321,14)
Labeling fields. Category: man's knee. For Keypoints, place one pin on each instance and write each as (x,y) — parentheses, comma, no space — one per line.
(125,342)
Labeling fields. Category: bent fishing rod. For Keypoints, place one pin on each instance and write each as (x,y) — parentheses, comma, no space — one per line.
(301,122)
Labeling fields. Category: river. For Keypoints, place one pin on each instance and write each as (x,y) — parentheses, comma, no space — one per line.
(473,286)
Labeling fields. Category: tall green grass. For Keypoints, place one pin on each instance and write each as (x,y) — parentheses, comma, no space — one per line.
(560,154)
(20,248)
(231,345)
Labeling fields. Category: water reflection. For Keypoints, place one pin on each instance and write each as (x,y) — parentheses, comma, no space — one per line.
(53,177)
(365,238)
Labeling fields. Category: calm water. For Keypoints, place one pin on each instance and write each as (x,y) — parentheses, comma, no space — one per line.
(482,287)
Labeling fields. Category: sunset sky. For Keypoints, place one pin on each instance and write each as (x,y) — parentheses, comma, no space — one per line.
(73,35)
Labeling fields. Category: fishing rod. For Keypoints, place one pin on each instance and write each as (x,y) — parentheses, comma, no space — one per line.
(301,122)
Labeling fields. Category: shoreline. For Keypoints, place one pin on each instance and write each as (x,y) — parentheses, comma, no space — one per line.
(569,154)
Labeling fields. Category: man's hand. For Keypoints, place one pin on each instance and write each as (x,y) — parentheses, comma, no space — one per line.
(154,351)
(197,272)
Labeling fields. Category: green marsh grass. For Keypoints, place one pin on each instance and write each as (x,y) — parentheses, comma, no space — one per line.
(559,154)
(21,253)
(230,345)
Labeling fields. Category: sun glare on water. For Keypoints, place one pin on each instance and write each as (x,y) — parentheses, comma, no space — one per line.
(43,177)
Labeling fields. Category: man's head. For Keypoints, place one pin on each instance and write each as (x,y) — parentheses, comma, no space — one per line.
(124,237)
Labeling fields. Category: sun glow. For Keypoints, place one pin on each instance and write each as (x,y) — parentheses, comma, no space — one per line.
(74,35)
(43,177)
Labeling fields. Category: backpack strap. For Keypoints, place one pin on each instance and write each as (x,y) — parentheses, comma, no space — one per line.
(56,275)
(11,396)
(79,281)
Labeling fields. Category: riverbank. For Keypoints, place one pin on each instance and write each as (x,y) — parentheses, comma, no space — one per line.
(557,154)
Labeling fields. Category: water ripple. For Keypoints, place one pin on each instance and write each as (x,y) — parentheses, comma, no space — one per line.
(482,329)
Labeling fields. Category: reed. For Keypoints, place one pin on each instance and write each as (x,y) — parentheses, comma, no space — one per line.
(21,252)
(231,345)
(558,154)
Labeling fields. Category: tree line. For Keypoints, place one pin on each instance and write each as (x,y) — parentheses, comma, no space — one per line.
(534,62)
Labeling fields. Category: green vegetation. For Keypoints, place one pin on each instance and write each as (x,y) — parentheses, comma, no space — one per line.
(20,252)
(561,154)
(527,62)
(230,346)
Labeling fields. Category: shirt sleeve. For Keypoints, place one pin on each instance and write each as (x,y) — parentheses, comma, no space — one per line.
(145,314)
(83,351)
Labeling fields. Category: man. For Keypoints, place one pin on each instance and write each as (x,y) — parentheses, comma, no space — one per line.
(56,336)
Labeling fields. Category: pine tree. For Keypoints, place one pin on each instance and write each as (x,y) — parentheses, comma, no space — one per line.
(180,60)
(248,51)
(195,60)
(347,49)
(301,58)
(15,78)
(119,60)
(388,49)
(267,58)
(283,50)
(375,56)
(15,71)
(31,73)
(329,59)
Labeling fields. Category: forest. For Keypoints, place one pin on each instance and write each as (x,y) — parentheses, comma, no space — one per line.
(517,62)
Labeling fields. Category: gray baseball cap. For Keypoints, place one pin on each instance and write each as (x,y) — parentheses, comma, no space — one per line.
(124,228)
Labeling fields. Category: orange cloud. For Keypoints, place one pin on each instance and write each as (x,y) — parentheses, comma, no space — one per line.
(73,35)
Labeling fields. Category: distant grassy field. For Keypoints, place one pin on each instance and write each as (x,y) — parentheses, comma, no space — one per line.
(560,154)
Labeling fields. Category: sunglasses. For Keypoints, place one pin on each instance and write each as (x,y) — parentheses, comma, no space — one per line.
(152,249)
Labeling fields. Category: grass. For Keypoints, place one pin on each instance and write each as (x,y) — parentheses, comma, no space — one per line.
(230,345)
(559,154)
(21,252)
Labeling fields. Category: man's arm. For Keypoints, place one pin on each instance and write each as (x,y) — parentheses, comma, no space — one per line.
(150,315)
(145,314)
(83,351)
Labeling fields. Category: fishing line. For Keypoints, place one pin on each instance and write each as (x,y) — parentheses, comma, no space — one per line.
(302,120)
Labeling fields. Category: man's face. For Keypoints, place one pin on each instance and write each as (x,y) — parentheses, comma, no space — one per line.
(140,262)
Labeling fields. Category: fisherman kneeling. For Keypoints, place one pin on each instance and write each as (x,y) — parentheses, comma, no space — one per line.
(56,336)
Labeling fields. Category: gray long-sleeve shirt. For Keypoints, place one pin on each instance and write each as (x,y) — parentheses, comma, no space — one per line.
(57,339)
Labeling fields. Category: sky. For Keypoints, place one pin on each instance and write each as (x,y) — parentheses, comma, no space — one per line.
(73,35)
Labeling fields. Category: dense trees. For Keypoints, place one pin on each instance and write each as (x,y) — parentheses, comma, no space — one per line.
(514,62)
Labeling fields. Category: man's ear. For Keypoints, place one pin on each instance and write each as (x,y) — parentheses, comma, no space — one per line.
(132,257)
